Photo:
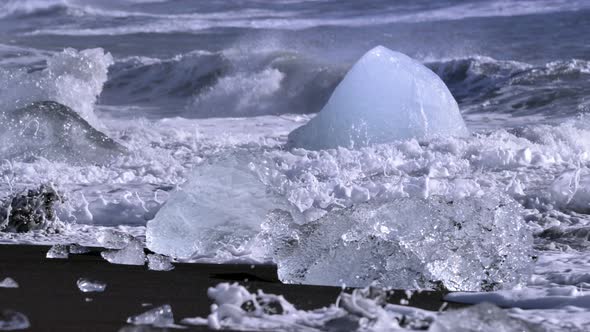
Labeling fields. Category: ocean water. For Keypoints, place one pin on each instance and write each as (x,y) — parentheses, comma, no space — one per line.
(177,82)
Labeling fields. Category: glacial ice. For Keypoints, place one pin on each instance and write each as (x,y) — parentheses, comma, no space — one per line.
(58,251)
(386,96)
(132,254)
(159,317)
(87,285)
(221,206)
(474,243)
(8,283)
(53,131)
(159,263)
(11,320)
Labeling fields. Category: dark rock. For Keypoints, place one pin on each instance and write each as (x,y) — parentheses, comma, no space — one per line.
(30,210)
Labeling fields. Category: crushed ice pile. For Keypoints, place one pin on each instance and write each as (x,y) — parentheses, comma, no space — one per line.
(386,96)
(87,285)
(463,244)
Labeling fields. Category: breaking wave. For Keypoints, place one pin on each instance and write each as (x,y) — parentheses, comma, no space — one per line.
(284,15)
(221,84)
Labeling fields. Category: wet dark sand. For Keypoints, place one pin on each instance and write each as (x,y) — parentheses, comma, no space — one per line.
(48,294)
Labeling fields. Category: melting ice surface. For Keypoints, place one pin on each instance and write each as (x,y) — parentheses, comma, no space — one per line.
(386,96)
(221,205)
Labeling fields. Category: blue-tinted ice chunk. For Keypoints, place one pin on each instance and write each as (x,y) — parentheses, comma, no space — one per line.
(386,96)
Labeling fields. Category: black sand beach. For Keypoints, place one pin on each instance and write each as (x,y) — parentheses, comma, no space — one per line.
(48,294)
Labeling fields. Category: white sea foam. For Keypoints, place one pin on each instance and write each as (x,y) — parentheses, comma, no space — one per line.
(366,310)
(73,78)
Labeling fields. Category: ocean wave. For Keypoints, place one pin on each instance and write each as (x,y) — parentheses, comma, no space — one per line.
(225,83)
(206,84)
(290,16)
(486,85)
(20,8)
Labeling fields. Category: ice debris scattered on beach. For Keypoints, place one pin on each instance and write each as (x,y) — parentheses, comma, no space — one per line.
(131,254)
(87,285)
(159,317)
(464,244)
(221,206)
(113,239)
(58,251)
(364,309)
(11,320)
(159,262)
(8,283)
(386,96)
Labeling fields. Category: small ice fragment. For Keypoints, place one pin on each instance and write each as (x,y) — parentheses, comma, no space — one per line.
(11,320)
(159,317)
(8,283)
(159,263)
(195,321)
(132,254)
(58,251)
(112,239)
(484,317)
(87,285)
(77,249)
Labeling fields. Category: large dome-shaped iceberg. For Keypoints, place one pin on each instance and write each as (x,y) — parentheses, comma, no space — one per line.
(386,96)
